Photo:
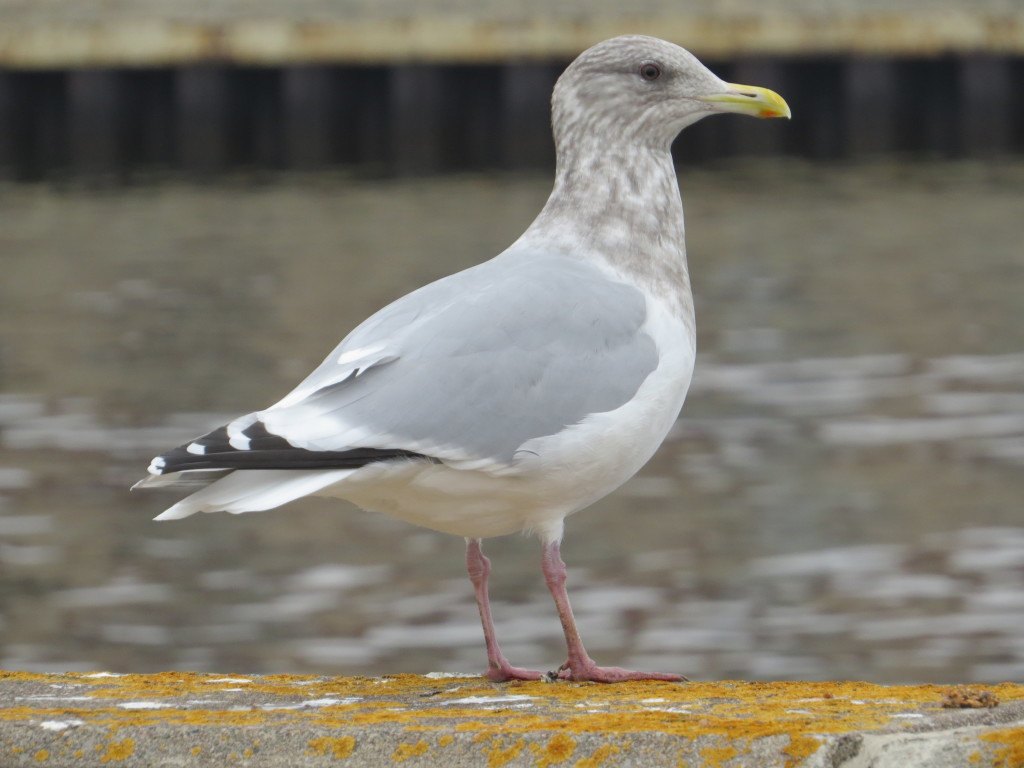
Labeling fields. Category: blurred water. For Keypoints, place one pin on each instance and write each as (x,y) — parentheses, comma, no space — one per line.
(841,499)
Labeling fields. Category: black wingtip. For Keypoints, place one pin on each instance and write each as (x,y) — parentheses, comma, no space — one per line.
(268,451)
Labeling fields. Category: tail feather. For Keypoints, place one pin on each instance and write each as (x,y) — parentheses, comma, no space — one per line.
(254,490)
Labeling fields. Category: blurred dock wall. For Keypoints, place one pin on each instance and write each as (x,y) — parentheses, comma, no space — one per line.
(88,88)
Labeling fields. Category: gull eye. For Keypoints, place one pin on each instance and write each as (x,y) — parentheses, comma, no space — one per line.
(650,71)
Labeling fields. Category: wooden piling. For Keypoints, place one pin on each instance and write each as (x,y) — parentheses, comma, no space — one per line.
(9,138)
(869,105)
(525,133)
(415,119)
(94,135)
(309,117)
(985,111)
(202,118)
(149,120)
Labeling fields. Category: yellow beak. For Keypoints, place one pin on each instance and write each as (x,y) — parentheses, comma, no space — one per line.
(748,100)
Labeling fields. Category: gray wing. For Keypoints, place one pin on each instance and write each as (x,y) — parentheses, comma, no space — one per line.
(471,366)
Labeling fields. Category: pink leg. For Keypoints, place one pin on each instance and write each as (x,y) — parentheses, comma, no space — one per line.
(498,668)
(579,666)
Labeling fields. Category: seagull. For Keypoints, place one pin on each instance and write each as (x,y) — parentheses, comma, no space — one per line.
(510,395)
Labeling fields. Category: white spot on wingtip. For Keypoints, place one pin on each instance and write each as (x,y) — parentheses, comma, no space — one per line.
(236,439)
(196,448)
(242,423)
(240,442)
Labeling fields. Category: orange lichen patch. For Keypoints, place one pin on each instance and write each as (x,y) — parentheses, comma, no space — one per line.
(118,750)
(498,754)
(42,755)
(558,749)
(6,675)
(339,748)
(404,751)
(714,757)
(1011,752)
(600,754)
(445,740)
(469,725)
(799,749)
(963,696)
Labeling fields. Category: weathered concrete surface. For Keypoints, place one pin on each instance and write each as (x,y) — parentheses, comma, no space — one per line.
(65,33)
(188,719)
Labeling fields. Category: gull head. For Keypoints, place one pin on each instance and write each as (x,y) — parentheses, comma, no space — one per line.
(643,90)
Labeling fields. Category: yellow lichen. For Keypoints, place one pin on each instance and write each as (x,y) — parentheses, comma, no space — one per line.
(339,747)
(42,755)
(714,757)
(600,754)
(1011,753)
(196,750)
(445,740)
(118,750)
(799,749)
(404,751)
(23,676)
(498,754)
(558,749)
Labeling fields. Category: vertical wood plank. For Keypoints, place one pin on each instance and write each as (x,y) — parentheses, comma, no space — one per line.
(870,88)
(93,121)
(415,119)
(308,117)
(526,115)
(202,118)
(9,122)
(986,98)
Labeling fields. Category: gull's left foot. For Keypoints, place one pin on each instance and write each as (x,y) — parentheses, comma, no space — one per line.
(590,672)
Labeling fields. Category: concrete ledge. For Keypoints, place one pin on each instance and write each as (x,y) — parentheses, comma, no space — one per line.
(189,719)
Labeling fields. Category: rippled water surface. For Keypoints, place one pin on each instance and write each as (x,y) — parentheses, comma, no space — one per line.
(842,497)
